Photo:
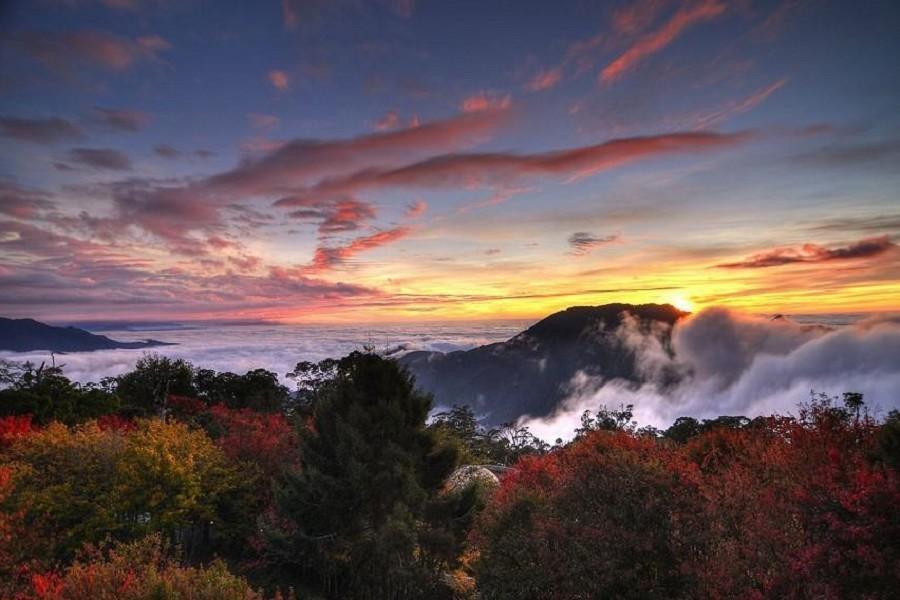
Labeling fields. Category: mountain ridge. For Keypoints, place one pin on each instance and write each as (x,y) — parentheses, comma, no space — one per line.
(528,373)
(29,335)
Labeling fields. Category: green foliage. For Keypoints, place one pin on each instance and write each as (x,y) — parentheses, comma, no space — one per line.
(605,419)
(501,445)
(48,395)
(257,389)
(146,388)
(356,508)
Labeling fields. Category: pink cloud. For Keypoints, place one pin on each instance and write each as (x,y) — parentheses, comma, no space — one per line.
(341,215)
(328,257)
(416,209)
(651,43)
(279,79)
(485,101)
(389,120)
(545,80)
(298,161)
(637,16)
(502,169)
(69,276)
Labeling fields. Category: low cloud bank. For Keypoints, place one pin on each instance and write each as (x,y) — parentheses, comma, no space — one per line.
(720,362)
(278,348)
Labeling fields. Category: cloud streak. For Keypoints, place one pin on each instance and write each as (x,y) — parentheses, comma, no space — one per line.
(40,131)
(583,243)
(684,18)
(814,253)
(477,169)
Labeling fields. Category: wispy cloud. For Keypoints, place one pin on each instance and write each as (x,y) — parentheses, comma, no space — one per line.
(583,242)
(651,43)
(741,106)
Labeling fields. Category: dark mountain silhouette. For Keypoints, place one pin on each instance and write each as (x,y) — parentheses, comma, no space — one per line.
(25,335)
(529,373)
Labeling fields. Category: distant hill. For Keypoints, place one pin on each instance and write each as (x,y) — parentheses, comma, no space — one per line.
(528,374)
(25,335)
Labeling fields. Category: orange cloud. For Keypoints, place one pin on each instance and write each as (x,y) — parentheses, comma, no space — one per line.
(655,41)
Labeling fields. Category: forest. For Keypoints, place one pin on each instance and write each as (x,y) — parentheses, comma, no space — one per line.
(176,482)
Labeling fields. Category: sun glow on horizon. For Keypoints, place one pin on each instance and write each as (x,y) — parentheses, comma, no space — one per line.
(683,302)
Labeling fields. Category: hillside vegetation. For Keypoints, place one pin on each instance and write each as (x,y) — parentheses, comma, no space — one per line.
(173,481)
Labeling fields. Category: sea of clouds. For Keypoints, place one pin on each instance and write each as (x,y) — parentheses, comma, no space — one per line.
(275,347)
(728,363)
(724,362)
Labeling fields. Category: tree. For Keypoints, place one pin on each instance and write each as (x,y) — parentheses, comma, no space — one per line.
(145,389)
(258,389)
(47,395)
(608,516)
(80,485)
(350,517)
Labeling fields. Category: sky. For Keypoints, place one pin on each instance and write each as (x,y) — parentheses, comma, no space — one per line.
(394,160)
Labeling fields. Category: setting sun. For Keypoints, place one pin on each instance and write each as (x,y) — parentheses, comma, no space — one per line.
(682,302)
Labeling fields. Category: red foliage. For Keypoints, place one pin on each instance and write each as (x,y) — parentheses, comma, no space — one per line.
(184,406)
(787,508)
(266,440)
(13,428)
(116,423)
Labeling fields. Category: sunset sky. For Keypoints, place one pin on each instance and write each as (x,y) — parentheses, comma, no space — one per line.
(341,160)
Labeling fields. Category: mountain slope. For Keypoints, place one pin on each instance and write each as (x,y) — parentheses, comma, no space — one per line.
(25,335)
(528,374)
